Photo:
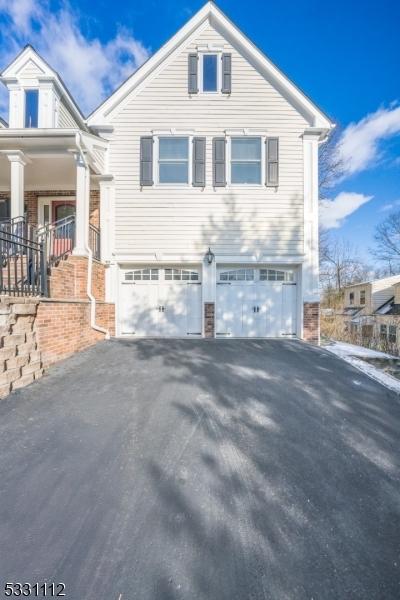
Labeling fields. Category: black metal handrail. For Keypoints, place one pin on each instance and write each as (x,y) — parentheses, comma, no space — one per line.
(23,269)
(94,241)
(59,238)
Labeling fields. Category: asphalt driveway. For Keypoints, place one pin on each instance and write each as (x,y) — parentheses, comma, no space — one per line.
(202,470)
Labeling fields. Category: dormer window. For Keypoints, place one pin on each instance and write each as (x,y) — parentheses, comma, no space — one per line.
(31,108)
(210,72)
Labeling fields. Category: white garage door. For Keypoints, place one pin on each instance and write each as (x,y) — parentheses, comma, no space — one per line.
(256,303)
(162,302)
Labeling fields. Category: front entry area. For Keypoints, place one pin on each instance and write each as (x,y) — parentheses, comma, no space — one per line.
(160,302)
(254,302)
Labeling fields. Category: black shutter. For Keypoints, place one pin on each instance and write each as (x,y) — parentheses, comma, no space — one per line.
(192,74)
(146,161)
(219,162)
(272,162)
(199,161)
(226,73)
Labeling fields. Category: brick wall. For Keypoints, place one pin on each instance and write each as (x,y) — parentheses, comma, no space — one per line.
(69,279)
(63,327)
(209,319)
(31,203)
(20,358)
(311,322)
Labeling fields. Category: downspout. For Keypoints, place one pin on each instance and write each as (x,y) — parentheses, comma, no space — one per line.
(92,299)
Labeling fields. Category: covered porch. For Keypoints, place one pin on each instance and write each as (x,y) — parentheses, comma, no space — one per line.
(53,181)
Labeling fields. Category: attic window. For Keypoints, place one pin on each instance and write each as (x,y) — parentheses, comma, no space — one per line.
(210,73)
(31,108)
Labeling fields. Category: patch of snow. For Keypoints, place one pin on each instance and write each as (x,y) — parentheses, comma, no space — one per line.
(354,354)
(343,349)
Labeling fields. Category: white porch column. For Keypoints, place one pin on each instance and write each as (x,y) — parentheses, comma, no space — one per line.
(106,185)
(82,207)
(17,163)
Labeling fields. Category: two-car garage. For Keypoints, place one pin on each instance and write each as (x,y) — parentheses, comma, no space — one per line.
(250,301)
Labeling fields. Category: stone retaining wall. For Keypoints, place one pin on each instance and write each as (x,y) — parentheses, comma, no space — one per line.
(20,358)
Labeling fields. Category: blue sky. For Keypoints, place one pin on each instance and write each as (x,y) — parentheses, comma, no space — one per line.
(344,54)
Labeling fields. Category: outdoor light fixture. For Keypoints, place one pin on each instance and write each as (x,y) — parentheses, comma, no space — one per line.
(210,256)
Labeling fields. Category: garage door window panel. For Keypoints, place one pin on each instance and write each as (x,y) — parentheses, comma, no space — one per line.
(142,275)
(181,275)
(173,160)
(275,275)
(237,275)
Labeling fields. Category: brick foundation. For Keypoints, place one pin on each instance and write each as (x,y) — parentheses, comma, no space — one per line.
(63,327)
(311,323)
(69,279)
(209,319)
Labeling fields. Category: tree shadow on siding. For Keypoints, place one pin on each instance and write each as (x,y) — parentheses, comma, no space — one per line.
(241,231)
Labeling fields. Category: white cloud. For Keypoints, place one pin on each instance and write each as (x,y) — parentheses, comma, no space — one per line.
(359,145)
(333,213)
(390,206)
(90,68)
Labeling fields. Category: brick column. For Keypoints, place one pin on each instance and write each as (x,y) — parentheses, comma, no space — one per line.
(209,319)
(311,322)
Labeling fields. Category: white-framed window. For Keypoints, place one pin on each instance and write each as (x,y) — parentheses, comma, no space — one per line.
(210,72)
(276,275)
(173,160)
(245,159)
(362,297)
(31,108)
(237,275)
(176,274)
(142,275)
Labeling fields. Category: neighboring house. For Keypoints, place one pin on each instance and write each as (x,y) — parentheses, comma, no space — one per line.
(195,185)
(372,311)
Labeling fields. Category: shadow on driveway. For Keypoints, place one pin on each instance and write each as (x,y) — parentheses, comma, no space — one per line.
(203,469)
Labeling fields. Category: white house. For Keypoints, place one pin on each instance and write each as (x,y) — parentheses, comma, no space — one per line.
(201,172)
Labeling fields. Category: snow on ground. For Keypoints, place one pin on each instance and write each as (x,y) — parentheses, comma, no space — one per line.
(342,349)
(354,355)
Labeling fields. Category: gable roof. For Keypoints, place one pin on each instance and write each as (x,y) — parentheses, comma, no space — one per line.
(212,14)
(29,55)
(389,280)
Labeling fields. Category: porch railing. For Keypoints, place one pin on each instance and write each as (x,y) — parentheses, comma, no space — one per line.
(23,269)
(27,252)
(58,238)
(94,241)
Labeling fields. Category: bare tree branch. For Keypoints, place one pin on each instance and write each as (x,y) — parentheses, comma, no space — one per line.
(339,264)
(331,166)
(387,238)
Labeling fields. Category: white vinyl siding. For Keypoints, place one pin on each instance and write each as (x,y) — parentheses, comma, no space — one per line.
(242,219)
(65,119)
